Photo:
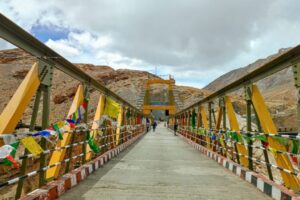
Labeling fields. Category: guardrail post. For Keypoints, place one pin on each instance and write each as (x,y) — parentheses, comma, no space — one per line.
(46,75)
(224,124)
(210,123)
(45,124)
(210,114)
(198,125)
(84,137)
(31,128)
(213,116)
(249,128)
(222,115)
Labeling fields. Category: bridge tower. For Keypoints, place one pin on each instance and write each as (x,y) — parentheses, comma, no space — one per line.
(169,107)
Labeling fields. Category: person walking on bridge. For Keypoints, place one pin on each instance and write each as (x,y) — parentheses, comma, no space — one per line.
(175,127)
(147,124)
(154,124)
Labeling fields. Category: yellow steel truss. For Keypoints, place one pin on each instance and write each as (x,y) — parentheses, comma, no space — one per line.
(268,126)
(15,108)
(234,125)
(118,131)
(59,155)
(95,125)
(205,124)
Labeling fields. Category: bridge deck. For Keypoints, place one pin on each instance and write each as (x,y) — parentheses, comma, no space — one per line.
(162,166)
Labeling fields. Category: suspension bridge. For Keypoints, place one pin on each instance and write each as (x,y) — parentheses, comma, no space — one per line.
(114,155)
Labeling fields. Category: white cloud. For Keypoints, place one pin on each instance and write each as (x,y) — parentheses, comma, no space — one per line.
(5,45)
(189,39)
(63,48)
(83,47)
(87,40)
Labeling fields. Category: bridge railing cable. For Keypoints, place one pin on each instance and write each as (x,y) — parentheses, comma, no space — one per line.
(227,149)
(125,136)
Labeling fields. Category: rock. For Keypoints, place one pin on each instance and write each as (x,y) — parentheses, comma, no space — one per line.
(20,74)
(58,99)
(71,92)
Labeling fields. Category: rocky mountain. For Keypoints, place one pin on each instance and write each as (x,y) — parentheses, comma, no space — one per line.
(278,91)
(235,74)
(15,63)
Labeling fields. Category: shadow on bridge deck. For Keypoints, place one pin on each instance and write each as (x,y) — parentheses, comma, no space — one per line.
(162,166)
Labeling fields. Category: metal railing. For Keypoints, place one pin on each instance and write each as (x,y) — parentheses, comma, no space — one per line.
(261,117)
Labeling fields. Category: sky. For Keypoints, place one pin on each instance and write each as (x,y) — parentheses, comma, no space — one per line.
(196,41)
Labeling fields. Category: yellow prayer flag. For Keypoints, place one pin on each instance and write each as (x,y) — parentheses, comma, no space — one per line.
(222,142)
(32,146)
(112,108)
(60,124)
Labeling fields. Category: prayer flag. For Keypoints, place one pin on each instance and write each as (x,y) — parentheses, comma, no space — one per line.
(32,146)
(8,153)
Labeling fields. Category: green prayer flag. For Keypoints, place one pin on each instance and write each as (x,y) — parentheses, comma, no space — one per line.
(261,138)
(57,129)
(295,148)
(193,119)
(235,136)
(91,141)
(247,138)
(128,114)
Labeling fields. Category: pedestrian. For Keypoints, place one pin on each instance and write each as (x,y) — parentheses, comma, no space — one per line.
(154,124)
(175,127)
(147,124)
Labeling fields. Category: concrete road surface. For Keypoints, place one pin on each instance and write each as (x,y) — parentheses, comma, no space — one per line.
(163,166)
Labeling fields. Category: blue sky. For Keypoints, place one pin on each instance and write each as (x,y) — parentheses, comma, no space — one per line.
(195,41)
(44,32)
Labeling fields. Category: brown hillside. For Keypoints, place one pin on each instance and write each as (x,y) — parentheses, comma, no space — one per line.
(278,90)
(126,83)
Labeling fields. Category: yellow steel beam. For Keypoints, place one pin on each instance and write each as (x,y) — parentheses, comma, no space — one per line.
(234,125)
(153,107)
(205,124)
(204,118)
(268,126)
(118,131)
(59,155)
(146,112)
(159,81)
(15,108)
(218,126)
(95,125)
(172,112)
